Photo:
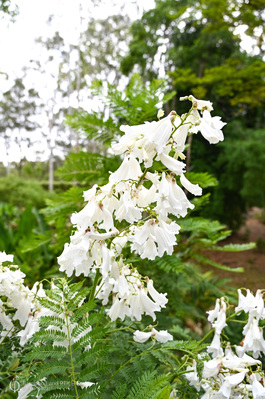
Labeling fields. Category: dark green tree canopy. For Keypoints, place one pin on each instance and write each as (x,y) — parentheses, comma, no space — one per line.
(196,44)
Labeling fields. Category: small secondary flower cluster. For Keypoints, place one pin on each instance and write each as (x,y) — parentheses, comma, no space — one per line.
(26,302)
(228,374)
(140,203)
(17,296)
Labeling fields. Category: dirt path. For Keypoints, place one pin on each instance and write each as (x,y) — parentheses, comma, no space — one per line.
(253,261)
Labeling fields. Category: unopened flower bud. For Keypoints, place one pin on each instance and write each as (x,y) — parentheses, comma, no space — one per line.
(160,114)
(173,115)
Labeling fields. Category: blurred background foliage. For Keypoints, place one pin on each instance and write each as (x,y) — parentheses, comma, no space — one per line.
(179,47)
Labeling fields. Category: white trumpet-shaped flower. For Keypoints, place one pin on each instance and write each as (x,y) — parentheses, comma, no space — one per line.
(231,381)
(210,128)
(5,257)
(172,164)
(91,213)
(147,139)
(198,104)
(254,305)
(215,347)
(258,390)
(217,317)
(211,368)
(153,232)
(171,199)
(127,209)
(253,340)
(159,298)
(192,188)
(128,170)
(160,336)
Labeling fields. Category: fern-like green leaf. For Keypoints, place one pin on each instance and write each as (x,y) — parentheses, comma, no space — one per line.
(81,311)
(74,287)
(51,320)
(158,388)
(42,352)
(95,371)
(171,264)
(120,391)
(201,225)
(93,335)
(55,295)
(51,305)
(205,260)
(77,299)
(234,247)
(91,392)
(82,166)
(204,179)
(36,242)
(141,386)
(49,335)
(86,323)
(90,356)
(62,394)
(50,368)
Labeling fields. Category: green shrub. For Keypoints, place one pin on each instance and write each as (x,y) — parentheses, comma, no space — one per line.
(20,192)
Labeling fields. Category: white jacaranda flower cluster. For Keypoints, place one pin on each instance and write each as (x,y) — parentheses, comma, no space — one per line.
(22,304)
(210,127)
(17,296)
(217,317)
(232,374)
(135,208)
(253,340)
(131,298)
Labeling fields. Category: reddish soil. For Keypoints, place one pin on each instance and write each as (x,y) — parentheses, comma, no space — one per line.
(253,261)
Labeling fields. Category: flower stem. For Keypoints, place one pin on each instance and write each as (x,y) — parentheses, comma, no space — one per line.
(139,355)
(73,377)
(213,329)
(141,178)
(93,289)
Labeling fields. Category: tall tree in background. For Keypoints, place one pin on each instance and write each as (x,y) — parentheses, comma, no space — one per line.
(8,8)
(196,45)
(18,106)
(70,68)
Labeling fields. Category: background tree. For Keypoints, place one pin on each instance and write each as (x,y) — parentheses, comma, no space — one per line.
(7,7)
(18,106)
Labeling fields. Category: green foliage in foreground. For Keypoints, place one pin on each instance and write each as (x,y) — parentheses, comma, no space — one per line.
(18,228)
(78,353)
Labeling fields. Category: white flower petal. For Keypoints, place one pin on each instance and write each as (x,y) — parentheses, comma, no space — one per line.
(5,257)
(172,164)
(161,336)
(141,337)
(192,188)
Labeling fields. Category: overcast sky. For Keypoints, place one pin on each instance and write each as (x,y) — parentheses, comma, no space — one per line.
(17,45)
(17,39)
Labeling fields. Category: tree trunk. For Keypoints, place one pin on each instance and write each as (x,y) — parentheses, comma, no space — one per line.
(51,170)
